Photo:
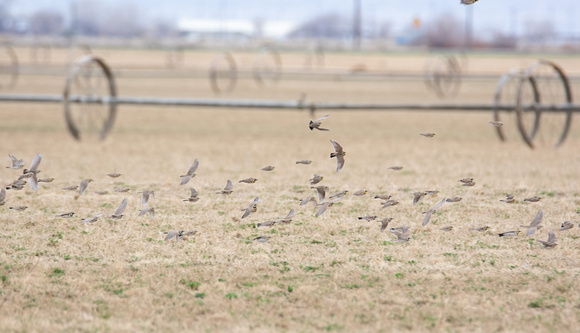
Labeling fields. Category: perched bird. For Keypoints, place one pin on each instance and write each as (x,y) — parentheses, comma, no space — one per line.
(339,154)
(2,197)
(368,218)
(428,134)
(119,212)
(83,185)
(268,168)
(145,195)
(338,194)
(46,180)
(509,233)
(316,179)
(480,229)
(150,210)
(71,188)
(454,199)
(535,224)
(360,193)
(396,168)
(261,239)
(19,208)
(468,2)
(321,190)
(316,124)
(114,175)
(565,225)
(190,173)
(417,196)
(193,196)
(385,223)
(496,123)
(533,199)
(447,229)
(33,171)
(403,233)
(249,180)
(101,192)
(252,208)
(288,217)
(15,163)
(66,215)
(305,201)
(228,189)
(179,234)
(304,162)
(389,203)
(431,211)
(325,205)
(383,196)
(91,219)
(509,199)
(551,242)
(266,224)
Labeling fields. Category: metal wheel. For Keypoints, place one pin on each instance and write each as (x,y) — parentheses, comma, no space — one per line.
(175,58)
(87,99)
(552,126)
(443,76)
(267,67)
(8,67)
(223,74)
(505,100)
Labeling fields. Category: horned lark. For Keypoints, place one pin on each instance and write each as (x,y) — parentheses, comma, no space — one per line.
(119,212)
(454,199)
(249,180)
(288,217)
(316,179)
(551,242)
(71,188)
(83,185)
(431,211)
(496,123)
(16,185)
(403,233)
(389,203)
(535,224)
(190,173)
(305,201)
(360,193)
(2,197)
(321,190)
(19,208)
(261,239)
(145,195)
(91,219)
(268,168)
(149,210)
(468,2)
(383,196)
(417,196)
(368,218)
(228,189)
(565,225)
(396,168)
(252,208)
(385,223)
(533,199)
(66,215)
(179,234)
(114,175)
(512,233)
(304,162)
(509,199)
(316,124)
(325,205)
(480,229)
(15,163)
(339,154)
(46,180)
(447,229)
(428,134)
(122,189)
(338,194)
(266,224)
(33,171)
(466,180)
(432,192)
(194,197)
(102,192)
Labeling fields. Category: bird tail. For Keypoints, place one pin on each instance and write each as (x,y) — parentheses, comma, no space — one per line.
(310,125)
(332,155)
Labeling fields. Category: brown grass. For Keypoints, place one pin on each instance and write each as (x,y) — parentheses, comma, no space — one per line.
(332,273)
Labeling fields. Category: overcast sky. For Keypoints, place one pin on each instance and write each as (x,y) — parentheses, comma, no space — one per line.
(488,15)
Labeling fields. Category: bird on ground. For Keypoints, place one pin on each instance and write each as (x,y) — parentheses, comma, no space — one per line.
(19,208)
(179,234)
(325,205)
(66,215)
(321,190)
(565,225)
(316,124)
(512,233)
(228,189)
(509,199)
(71,188)
(84,184)
(305,201)
(261,239)
(389,203)
(480,229)
(114,175)
(268,168)
(316,179)
(385,223)
(33,171)
(304,162)
(496,123)
(190,173)
(339,154)
(383,196)
(428,134)
(367,218)
(551,242)
(252,208)
(431,211)
(468,2)
(15,163)
(533,199)
(340,194)
(46,180)
(417,196)
(148,210)
(360,193)
(535,224)
(403,233)
(145,195)
(119,212)
(447,229)
(288,217)
(454,199)
(193,197)
(91,219)
(396,168)
(248,180)
(101,192)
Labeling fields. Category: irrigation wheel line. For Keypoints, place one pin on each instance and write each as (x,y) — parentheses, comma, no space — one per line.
(9,67)
(77,51)
(267,67)
(79,111)
(442,75)
(223,74)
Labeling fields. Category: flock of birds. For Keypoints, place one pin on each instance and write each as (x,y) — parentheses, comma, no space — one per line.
(321,202)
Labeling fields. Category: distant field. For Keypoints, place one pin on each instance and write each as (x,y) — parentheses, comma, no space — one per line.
(331,273)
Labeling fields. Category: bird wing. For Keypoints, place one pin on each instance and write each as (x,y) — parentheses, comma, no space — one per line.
(417,197)
(337,146)
(151,212)
(247,212)
(339,162)
(321,193)
(122,207)
(538,219)
(531,230)
(13,160)
(34,182)
(439,204)
(2,194)
(83,186)
(256,200)
(193,192)
(35,162)
(551,237)
(322,209)
(185,179)
(384,224)
(427,218)
(193,167)
(171,234)
(145,198)
(321,119)
(290,215)
(143,211)
(405,232)
(229,186)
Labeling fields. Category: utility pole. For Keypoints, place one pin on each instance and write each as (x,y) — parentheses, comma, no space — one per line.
(356,25)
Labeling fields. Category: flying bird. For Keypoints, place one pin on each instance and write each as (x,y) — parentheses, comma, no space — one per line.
(385,223)
(19,208)
(338,194)
(252,208)
(512,233)
(305,201)
(46,180)
(480,229)
(431,211)
(101,192)
(447,229)
(119,212)
(339,154)
(179,234)
(533,199)
(468,2)
(15,163)
(403,233)
(71,188)
(304,162)
(190,173)
(268,168)
(249,180)
(565,225)
(454,199)
(417,197)
(66,215)
(396,168)
(193,197)
(368,218)
(2,196)
(33,171)
(509,199)
(551,242)
(321,190)
(496,123)
(428,134)
(228,189)
(360,193)
(325,205)
(383,196)
(389,203)
(288,217)
(316,124)
(149,210)
(91,219)
(316,179)
(122,189)
(84,184)
(261,239)
(145,195)
(535,224)
(114,175)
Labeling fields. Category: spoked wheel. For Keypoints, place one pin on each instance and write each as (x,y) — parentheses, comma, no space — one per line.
(267,67)
(443,76)
(552,126)
(223,74)
(88,99)
(505,100)
(8,67)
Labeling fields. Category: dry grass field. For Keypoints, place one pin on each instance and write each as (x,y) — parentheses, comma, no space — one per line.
(331,273)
